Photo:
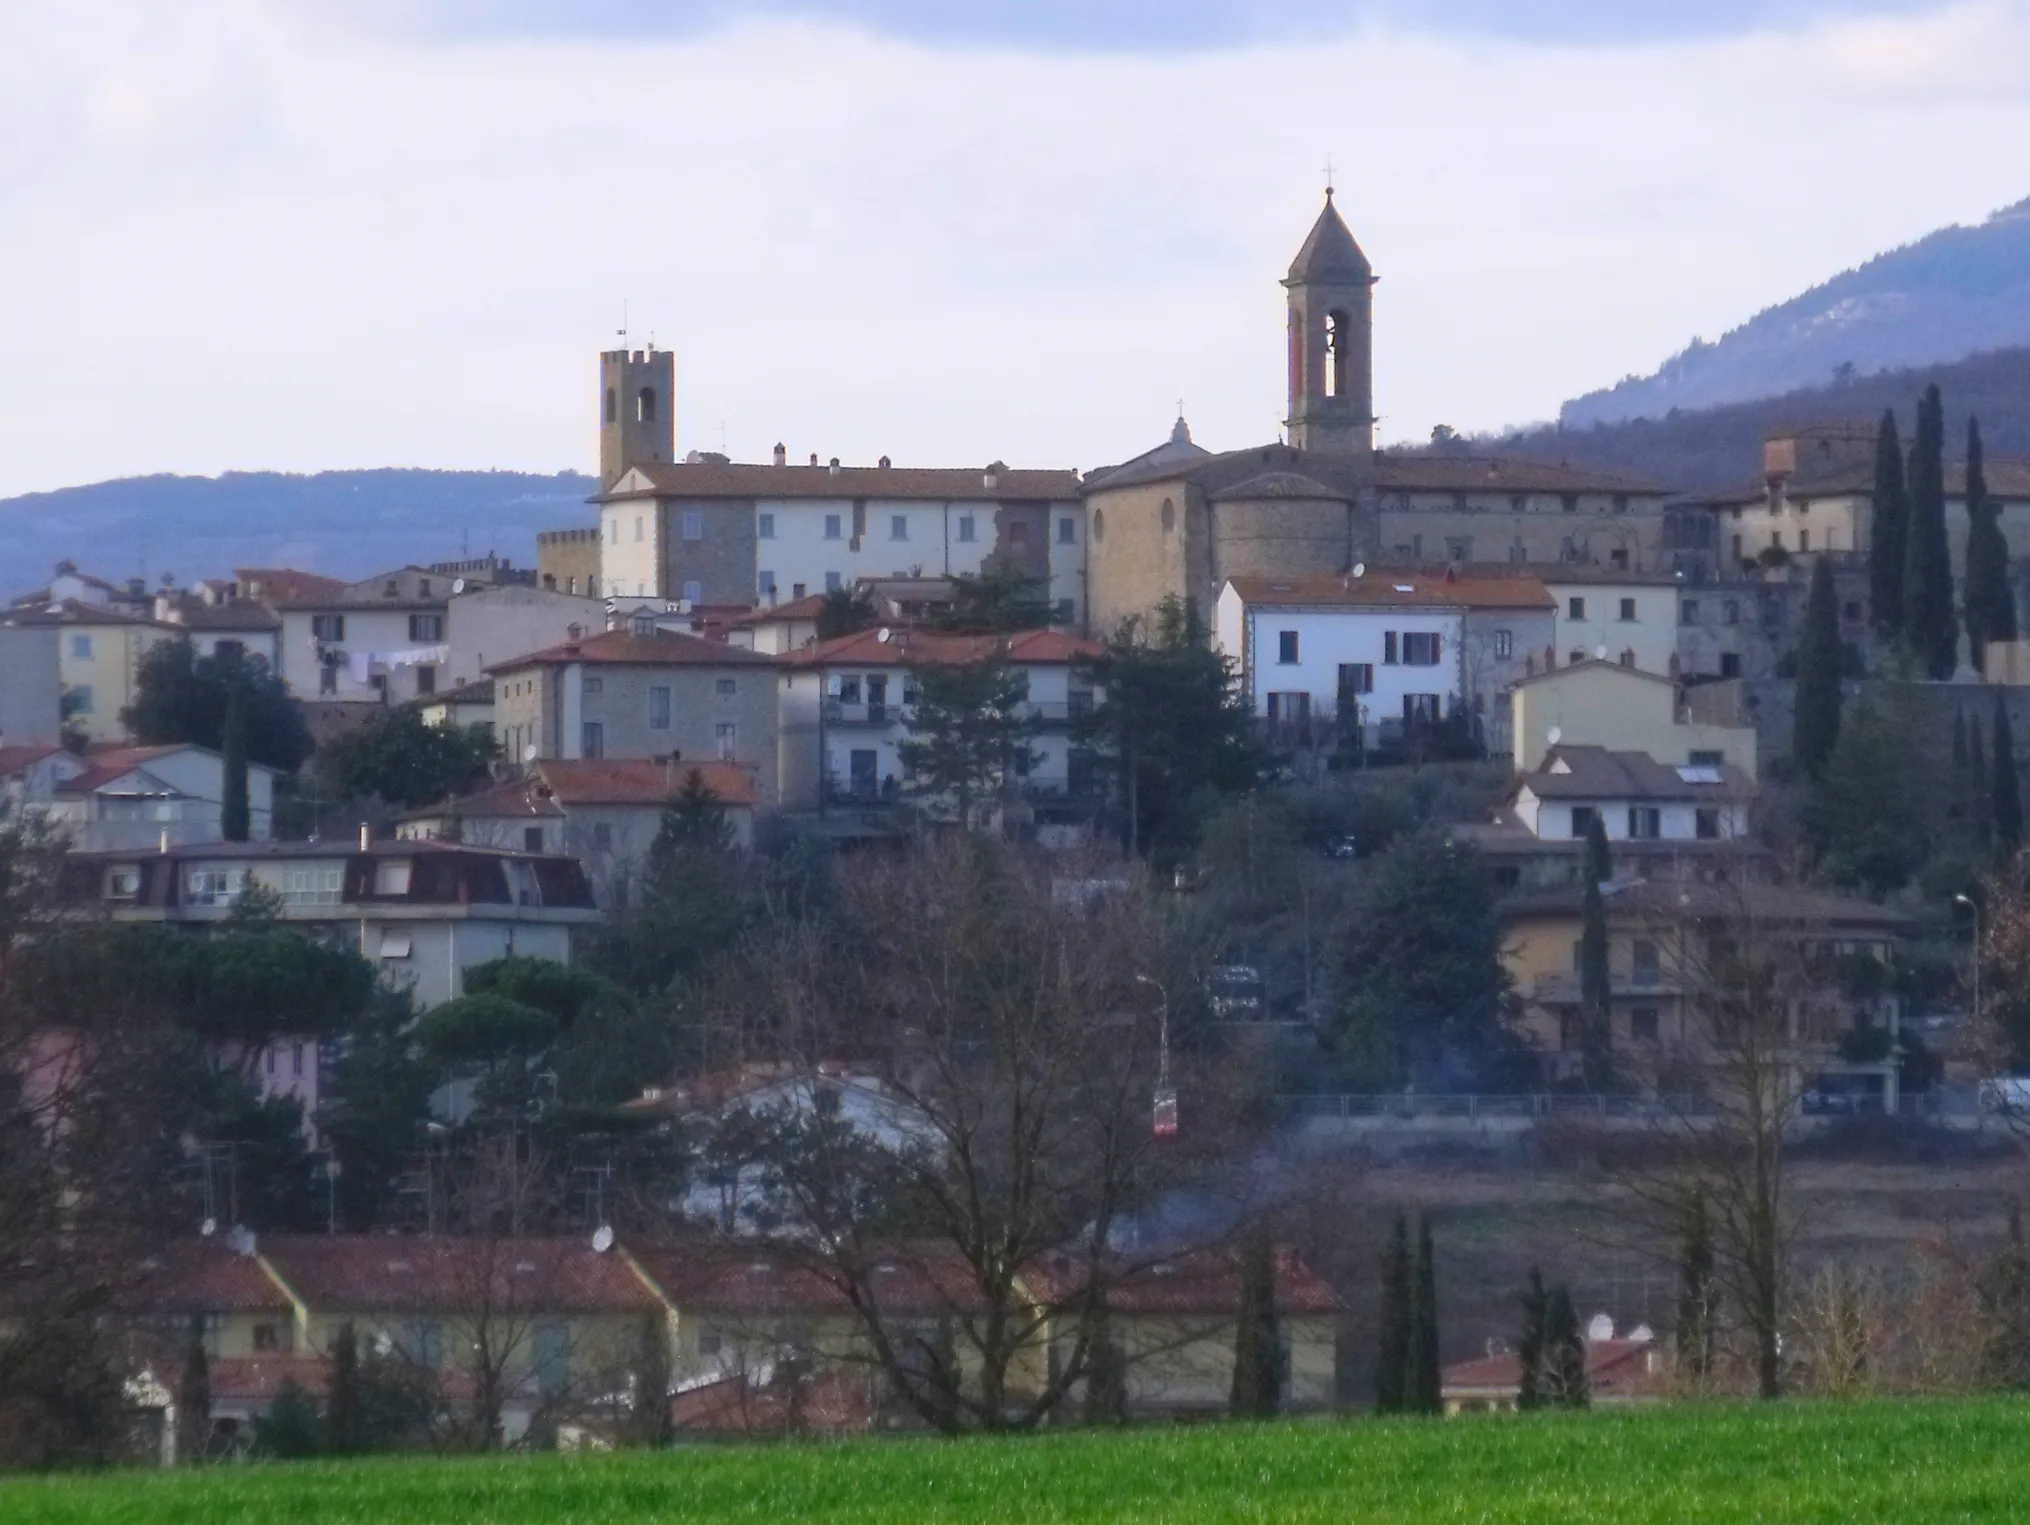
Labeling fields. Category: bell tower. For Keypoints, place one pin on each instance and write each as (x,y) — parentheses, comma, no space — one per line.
(1331,288)
(637,410)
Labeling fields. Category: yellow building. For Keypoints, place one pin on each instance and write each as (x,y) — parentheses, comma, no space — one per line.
(1603,704)
(99,661)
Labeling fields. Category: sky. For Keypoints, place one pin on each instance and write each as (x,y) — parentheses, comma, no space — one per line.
(305,234)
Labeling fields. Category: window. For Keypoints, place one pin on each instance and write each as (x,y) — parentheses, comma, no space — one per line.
(1420,648)
(1776,540)
(694,592)
(327,678)
(602,835)
(595,685)
(765,581)
(532,839)
(966,528)
(1621,503)
(726,736)
(1578,656)
(426,1344)
(612,405)
(1646,965)
(898,526)
(1645,823)
(1067,532)
(1018,532)
(392,590)
(313,884)
(1688,612)
(427,628)
(1504,643)
(1628,611)
(659,708)
(764,526)
(694,524)
(849,689)
(213,886)
(1428,708)
(798,589)
(81,647)
(1099,524)
(1804,540)
(592,739)
(1642,1024)
(1706,827)
(422,587)
(1706,759)
(1286,647)
(1459,548)
(1576,609)
(327,627)
(832,582)
(613,530)
(1355,678)
(1518,502)
(391,876)
(1730,612)
(1569,502)
(832,527)
(1389,657)
(123,882)
(645,405)
(426,678)
(1290,709)
(1582,819)
(1168,514)
(1067,611)
(726,688)
(80,697)
(1628,656)
(1730,664)
(271,1339)
(639,534)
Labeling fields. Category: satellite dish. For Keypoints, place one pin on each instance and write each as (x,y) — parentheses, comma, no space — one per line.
(209,1227)
(1360,569)
(1600,652)
(1599,1327)
(602,1239)
(1555,735)
(457,585)
(884,635)
(529,752)
(241,1240)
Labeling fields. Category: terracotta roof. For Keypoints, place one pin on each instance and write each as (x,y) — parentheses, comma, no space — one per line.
(1494,473)
(558,783)
(1614,1369)
(1328,252)
(190,612)
(72,611)
(806,608)
(734,1279)
(202,1276)
(1204,1281)
(478,691)
(105,764)
(24,755)
(665,648)
(259,1381)
(1384,589)
(286,583)
(1573,772)
(2008,477)
(1348,476)
(924,648)
(829,1402)
(705,479)
(372,1273)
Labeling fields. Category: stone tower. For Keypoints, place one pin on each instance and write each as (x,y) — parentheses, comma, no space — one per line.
(1331,288)
(637,410)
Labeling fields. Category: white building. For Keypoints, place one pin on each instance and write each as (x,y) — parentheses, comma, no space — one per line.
(1389,648)
(1634,797)
(490,624)
(31,681)
(214,621)
(383,637)
(1612,615)
(131,798)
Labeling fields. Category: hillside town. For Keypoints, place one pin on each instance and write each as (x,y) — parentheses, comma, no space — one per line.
(844,947)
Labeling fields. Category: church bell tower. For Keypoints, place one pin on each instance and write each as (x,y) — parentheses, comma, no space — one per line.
(1331,288)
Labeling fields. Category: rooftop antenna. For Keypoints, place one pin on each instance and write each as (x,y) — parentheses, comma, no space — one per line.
(622,330)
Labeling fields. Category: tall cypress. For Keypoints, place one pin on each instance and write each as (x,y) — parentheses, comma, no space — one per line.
(1529,1350)
(1815,724)
(1258,1342)
(235,815)
(1929,628)
(1695,1292)
(1596,985)
(1564,1380)
(1990,603)
(1392,1348)
(2008,800)
(1888,530)
(343,1434)
(193,1398)
(1423,1386)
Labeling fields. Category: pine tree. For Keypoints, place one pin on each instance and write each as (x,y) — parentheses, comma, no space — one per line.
(1392,1359)
(1816,721)
(1929,628)
(1422,1383)
(1888,530)
(235,815)
(1529,1350)
(1695,1292)
(1258,1342)
(1596,987)
(2007,814)
(1990,604)
(1564,1381)
(342,1436)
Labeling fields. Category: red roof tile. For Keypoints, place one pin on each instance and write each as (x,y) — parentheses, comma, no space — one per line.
(202,1275)
(830,1402)
(1614,1368)
(665,648)
(796,609)
(1200,1281)
(907,647)
(1383,588)
(709,479)
(726,1279)
(419,1274)
(23,755)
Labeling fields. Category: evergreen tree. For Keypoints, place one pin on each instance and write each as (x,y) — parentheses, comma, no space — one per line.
(1816,721)
(693,820)
(1258,1339)
(1422,1383)
(1392,1358)
(291,1429)
(1106,1377)
(1863,817)
(1959,739)
(1564,1381)
(1930,629)
(1990,602)
(180,696)
(2007,814)
(1529,1350)
(2007,1294)
(1695,1292)
(1596,986)
(193,1398)
(342,1435)
(1000,600)
(844,611)
(969,732)
(1977,757)
(1888,530)
(235,813)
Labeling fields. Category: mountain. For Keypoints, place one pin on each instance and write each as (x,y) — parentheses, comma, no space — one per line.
(342,523)
(1960,291)
(1692,448)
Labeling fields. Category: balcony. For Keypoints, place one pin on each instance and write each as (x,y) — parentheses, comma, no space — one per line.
(875,712)
(1641,984)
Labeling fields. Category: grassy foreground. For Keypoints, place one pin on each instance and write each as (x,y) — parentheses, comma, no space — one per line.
(1908,1462)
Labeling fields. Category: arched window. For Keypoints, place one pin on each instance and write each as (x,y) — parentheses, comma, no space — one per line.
(645,405)
(1337,329)
(1099,524)
(1169,513)
(612,405)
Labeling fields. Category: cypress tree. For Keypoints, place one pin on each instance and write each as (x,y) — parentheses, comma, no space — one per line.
(1977,756)
(1888,530)
(1815,726)
(2007,815)
(1564,1352)
(1258,1342)
(1596,986)
(235,816)
(193,1398)
(1929,628)
(1695,1292)
(1106,1377)
(1423,1385)
(1990,604)
(342,1432)
(1529,1350)
(1392,1359)
(1959,739)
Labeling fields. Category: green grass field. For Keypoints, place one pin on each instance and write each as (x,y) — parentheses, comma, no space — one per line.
(1901,1462)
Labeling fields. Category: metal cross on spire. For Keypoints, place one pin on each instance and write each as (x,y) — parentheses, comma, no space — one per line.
(1328,177)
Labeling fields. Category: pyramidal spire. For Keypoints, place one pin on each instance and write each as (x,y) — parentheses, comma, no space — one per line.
(1329,252)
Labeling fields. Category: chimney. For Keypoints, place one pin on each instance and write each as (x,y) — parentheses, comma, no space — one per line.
(884,463)
(814,458)
(781,454)
(834,467)
(366,837)
(163,845)
(573,632)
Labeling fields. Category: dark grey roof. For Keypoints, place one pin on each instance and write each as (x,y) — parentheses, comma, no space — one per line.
(1594,773)
(1276,484)
(1701,900)
(1329,252)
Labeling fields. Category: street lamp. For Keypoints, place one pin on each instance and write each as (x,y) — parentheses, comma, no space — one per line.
(1166,1093)
(1971,906)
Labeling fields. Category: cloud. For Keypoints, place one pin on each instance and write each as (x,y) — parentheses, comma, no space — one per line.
(242,234)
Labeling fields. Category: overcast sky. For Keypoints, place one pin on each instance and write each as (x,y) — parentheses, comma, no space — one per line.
(304,234)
